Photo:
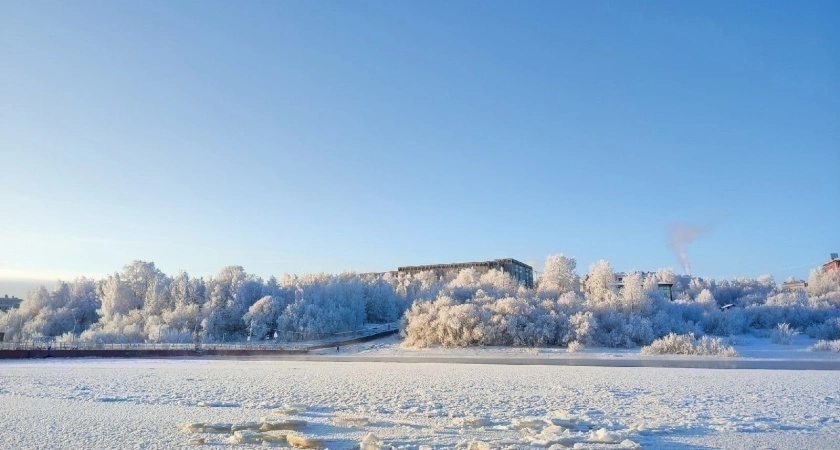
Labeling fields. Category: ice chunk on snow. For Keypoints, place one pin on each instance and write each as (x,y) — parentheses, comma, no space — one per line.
(370,442)
(552,435)
(220,427)
(273,436)
(304,441)
(283,425)
(478,445)
(196,441)
(564,419)
(290,409)
(530,422)
(602,436)
(195,427)
(351,421)
(246,437)
(474,422)
(627,443)
(253,426)
(218,404)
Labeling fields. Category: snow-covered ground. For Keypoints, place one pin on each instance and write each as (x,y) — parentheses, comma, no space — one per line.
(108,404)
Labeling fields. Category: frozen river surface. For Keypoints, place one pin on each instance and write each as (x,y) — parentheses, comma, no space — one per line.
(134,404)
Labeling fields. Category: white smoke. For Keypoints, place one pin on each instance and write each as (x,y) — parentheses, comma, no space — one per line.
(681,234)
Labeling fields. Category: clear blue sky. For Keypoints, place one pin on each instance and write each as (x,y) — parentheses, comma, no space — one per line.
(302,136)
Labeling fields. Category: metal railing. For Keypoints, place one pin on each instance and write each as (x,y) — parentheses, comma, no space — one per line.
(287,340)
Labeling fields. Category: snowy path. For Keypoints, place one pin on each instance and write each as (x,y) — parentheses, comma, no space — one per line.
(106,404)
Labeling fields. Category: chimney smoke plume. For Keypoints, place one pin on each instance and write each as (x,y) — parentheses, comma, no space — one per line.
(681,234)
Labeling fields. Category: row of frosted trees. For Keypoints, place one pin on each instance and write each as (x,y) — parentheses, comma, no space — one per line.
(142,304)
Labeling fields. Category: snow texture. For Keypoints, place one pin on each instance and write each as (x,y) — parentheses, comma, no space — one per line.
(407,406)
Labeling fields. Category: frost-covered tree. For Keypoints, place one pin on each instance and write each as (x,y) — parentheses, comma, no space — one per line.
(69,308)
(821,283)
(261,317)
(559,276)
(599,286)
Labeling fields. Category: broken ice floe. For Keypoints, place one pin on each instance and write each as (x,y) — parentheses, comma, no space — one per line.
(371,442)
(290,409)
(201,427)
(478,445)
(282,425)
(246,437)
(528,422)
(251,426)
(602,436)
(218,405)
(304,441)
(553,435)
(351,421)
(471,422)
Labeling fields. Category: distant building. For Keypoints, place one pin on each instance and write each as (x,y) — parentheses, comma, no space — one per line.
(7,303)
(833,265)
(667,289)
(519,271)
(794,285)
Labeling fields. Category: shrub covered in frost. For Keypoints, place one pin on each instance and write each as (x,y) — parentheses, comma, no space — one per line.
(484,320)
(826,346)
(828,330)
(725,323)
(687,344)
(783,334)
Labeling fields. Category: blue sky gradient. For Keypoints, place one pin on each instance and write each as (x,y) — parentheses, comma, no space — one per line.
(306,136)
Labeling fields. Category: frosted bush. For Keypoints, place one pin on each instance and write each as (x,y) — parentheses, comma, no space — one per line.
(616,329)
(574,347)
(725,323)
(687,344)
(483,320)
(767,316)
(828,330)
(826,346)
(783,334)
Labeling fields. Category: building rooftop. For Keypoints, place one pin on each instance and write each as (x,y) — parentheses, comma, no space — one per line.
(491,263)
(7,303)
